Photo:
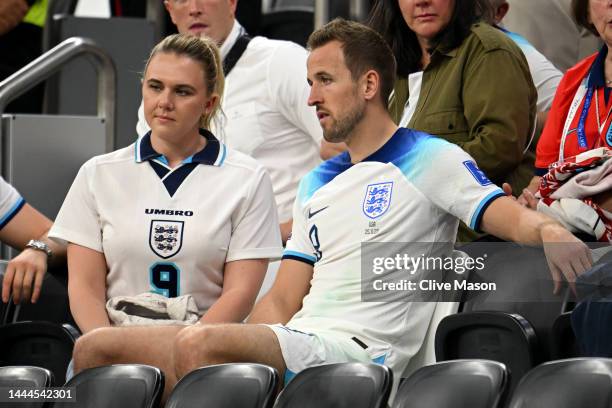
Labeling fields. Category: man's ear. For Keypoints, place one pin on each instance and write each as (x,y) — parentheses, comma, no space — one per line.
(233,4)
(371,84)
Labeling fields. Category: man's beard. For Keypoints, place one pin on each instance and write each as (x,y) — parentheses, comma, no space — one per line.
(343,127)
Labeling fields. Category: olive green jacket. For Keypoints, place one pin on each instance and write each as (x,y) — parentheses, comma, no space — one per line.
(481,97)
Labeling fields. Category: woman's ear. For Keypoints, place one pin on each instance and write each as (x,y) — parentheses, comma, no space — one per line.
(211,103)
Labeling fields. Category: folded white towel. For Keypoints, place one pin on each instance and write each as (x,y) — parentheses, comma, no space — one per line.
(150,309)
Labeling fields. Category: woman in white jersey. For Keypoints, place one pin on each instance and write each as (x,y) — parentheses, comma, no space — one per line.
(176,213)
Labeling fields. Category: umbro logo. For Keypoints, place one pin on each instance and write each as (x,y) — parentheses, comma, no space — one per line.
(313,213)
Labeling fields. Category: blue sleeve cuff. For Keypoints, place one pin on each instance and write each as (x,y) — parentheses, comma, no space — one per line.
(482,207)
(298,256)
(12,212)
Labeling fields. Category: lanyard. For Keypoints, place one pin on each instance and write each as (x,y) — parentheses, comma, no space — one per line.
(582,141)
(582,92)
(601,126)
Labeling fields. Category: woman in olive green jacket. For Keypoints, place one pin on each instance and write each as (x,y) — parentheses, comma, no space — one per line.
(470,83)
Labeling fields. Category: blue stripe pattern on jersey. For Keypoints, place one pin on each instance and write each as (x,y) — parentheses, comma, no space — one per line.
(12,212)
(298,256)
(484,204)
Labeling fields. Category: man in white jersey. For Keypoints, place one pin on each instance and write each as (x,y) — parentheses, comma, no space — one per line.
(391,185)
(264,100)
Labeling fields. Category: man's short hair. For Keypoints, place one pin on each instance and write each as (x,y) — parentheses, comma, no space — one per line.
(363,49)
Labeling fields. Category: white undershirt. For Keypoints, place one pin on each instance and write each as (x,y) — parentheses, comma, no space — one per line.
(414,90)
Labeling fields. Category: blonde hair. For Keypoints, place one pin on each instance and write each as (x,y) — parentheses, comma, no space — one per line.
(204,52)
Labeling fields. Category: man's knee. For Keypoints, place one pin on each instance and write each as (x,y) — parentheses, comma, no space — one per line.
(94,349)
(197,346)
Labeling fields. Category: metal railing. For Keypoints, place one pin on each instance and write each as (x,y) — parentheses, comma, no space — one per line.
(52,61)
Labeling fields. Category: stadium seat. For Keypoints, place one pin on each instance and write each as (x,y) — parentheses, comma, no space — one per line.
(564,344)
(122,385)
(343,385)
(41,344)
(497,336)
(456,383)
(572,383)
(524,288)
(226,386)
(14,377)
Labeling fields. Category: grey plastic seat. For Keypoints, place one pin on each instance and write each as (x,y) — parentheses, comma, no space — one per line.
(121,385)
(226,386)
(14,377)
(41,344)
(498,336)
(343,385)
(571,383)
(524,288)
(455,383)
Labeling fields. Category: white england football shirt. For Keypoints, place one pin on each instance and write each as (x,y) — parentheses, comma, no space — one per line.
(171,231)
(414,189)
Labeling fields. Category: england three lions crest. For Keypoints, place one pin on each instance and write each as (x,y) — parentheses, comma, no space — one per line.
(166,237)
(377,199)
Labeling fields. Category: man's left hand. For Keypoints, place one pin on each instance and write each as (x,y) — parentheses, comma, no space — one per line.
(24,276)
(566,255)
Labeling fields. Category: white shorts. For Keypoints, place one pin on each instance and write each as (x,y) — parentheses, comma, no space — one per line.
(302,350)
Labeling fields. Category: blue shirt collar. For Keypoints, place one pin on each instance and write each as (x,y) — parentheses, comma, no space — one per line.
(213,154)
(597,78)
(392,149)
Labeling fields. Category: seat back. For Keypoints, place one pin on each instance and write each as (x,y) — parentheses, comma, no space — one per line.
(122,385)
(226,386)
(497,336)
(41,344)
(343,385)
(565,345)
(524,287)
(455,383)
(16,377)
(571,383)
